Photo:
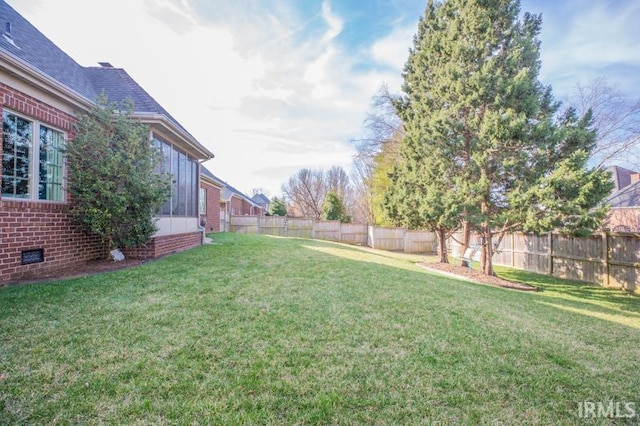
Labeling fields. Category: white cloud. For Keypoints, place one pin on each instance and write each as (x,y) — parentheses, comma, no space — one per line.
(333,21)
(393,50)
(598,38)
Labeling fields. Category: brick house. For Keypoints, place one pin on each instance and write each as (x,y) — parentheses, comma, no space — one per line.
(238,204)
(42,91)
(210,189)
(263,201)
(624,200)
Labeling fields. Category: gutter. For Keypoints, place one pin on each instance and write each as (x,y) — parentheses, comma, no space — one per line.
(38,79)
(161,119)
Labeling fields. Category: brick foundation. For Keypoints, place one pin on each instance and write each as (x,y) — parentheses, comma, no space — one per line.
(164,245)
(26,225)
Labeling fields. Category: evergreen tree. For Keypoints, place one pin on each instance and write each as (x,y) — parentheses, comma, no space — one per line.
(333,208)
(278,207)
(115,190)
(482,136)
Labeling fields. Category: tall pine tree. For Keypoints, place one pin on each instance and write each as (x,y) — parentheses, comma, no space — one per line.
(482,132)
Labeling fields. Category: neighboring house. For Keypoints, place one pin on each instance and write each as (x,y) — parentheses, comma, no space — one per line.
(210,192)
(624,200)
(238,204)
(263,201)
(42,91)
(219,201)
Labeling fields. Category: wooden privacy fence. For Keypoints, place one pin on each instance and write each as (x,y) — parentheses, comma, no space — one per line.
(606,259)
(395,239)
(400,239)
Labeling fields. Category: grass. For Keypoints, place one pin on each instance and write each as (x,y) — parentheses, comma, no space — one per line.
(263,330)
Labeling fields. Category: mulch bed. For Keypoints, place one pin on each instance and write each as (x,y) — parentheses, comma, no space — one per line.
(475,276)
(83,270)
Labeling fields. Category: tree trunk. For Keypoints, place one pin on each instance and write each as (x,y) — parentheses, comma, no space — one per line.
(488,249)
(443,257)
(487,245)
(466,236)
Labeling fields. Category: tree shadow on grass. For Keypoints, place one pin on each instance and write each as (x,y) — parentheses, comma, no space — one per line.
(578,294)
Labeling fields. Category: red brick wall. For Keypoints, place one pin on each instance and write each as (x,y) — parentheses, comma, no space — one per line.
(246,208)
(165,244)
(31,107)
(624,219)
(213,207)
(235,206)
(34,225)
(27,225)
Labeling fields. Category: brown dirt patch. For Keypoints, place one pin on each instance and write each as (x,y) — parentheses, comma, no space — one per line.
(83,270)
(475,276)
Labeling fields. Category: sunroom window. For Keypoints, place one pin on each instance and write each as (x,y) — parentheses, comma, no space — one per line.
(32,166)
(184,181)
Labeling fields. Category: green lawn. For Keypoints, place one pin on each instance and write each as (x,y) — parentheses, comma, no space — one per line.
(265,330)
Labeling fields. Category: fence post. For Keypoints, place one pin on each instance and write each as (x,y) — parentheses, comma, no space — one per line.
(404,240)
(513,249)
(550,260)
(605,257)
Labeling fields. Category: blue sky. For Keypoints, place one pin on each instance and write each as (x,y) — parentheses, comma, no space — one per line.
(271,86)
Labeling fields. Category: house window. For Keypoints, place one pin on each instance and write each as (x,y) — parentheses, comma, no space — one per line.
(50,164)
(32,167)
(202,206)
(184,181)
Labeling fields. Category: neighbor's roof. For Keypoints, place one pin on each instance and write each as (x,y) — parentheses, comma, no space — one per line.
(23,41)
(627,197)
(228,191)
(261,199)
(206,172)
(621,177)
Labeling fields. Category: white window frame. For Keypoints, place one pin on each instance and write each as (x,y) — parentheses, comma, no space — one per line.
(34,160)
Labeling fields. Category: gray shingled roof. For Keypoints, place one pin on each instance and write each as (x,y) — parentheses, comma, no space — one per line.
(626,197)
(23,41)
(227,190)
(621,176)
(207,173)
(260,199)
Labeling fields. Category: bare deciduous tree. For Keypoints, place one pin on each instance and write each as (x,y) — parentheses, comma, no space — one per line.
(383,128)
(616,118)
(306,190)
(259,190)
